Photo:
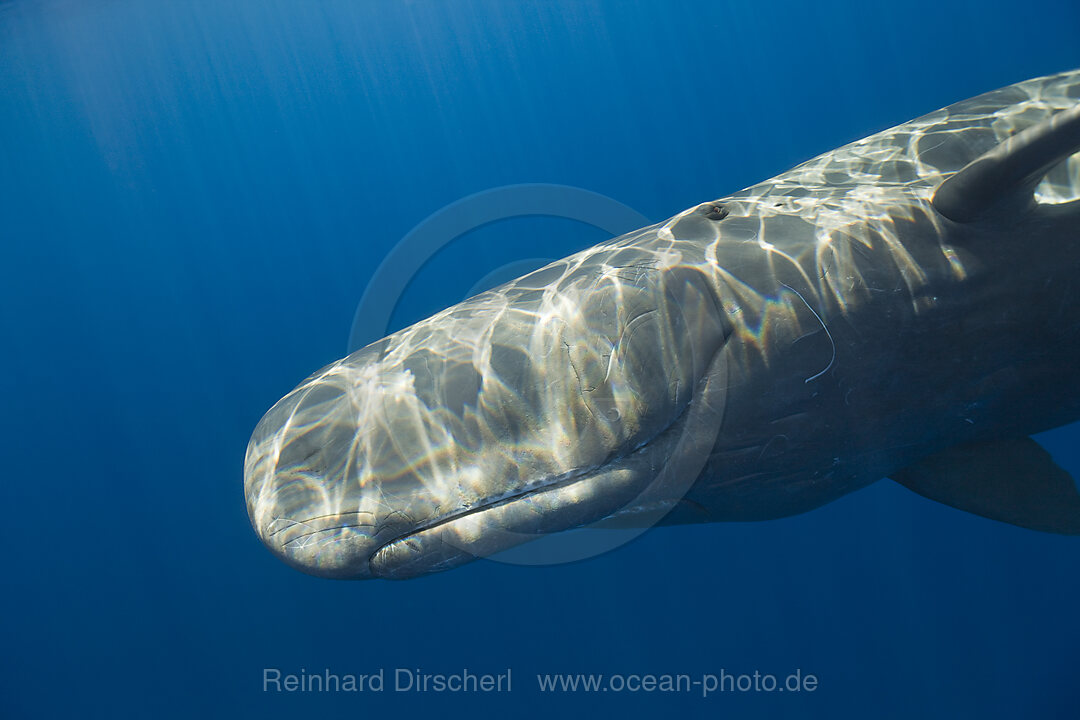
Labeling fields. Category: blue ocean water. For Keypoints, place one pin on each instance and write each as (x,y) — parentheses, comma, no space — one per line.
(193,198)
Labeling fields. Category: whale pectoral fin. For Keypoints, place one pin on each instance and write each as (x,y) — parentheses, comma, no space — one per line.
(1014,481)
(1005,177)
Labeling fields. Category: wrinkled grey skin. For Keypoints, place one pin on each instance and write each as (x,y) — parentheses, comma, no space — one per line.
(750,358)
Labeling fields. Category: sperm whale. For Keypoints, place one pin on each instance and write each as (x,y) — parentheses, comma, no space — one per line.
(904,307)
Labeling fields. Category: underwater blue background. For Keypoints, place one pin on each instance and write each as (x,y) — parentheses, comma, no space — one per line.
(193,196)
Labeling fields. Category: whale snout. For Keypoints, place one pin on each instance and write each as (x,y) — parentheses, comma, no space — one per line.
(349,462)
(301,486)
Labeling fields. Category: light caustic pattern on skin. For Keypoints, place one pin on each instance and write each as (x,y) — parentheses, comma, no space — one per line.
(522,387)
(586,368)
(843,193)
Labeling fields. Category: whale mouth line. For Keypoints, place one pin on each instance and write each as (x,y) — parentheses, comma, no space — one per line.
(491,502)
(549,485)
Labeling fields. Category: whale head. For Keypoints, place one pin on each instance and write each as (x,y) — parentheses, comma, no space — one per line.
(549,403)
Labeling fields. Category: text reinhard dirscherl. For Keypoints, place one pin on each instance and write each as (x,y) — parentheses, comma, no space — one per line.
(418,681)
(401,680)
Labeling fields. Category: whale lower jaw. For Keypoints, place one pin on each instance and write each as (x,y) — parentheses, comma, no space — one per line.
(619,486)
(502,523)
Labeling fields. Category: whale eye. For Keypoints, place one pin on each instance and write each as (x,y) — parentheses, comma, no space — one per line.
(714,212)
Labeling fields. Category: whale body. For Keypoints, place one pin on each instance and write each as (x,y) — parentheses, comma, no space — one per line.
(903,307)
